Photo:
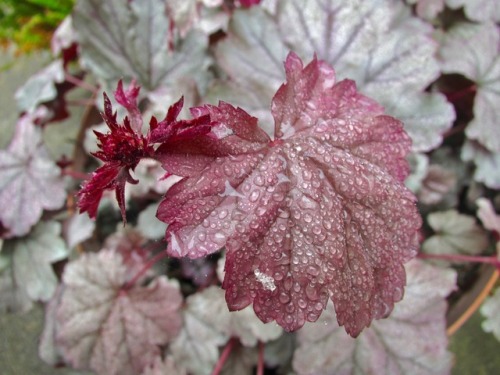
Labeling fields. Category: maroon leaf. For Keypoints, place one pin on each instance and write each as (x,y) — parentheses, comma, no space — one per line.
(108,329)
(318,212)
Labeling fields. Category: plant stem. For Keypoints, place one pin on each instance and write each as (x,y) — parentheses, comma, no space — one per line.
(260,363)
(80,103)
(462,258)
(75,174)
(144,269)
(474,306)
(224,356)
(456,95)
(78,82)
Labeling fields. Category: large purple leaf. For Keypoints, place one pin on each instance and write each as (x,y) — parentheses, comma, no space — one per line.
(131,39)
(473,50)
(389,53)
(318,212)
(109,329)
(411,341)
(29,180)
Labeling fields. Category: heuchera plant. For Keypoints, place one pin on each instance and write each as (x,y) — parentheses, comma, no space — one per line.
(264,176)
(318,211)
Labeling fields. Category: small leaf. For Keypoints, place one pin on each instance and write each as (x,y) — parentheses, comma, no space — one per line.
(40,88)
(12,298)
(427,9)
(490,309)
(108,329)
(411,341)
(486,163)
(196,346)
(29,180)
(436,184)
(241,324)
(318,212)
(473,50)
(455,233)
(166,366)
(148,225)
(32,258)
(477,10)
(486,213)
(77,229)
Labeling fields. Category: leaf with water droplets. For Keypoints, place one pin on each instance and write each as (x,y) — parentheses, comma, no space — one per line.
(320,211)
(394,345)
(388,52)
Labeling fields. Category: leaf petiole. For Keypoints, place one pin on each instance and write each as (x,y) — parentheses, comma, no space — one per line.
(129,284)
(224,356)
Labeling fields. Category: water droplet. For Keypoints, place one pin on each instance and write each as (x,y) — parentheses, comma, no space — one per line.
(284,298)
(219,238)
(312,270)
(259,180)
(302,303)
(254,196)
(311,292)
(261,211)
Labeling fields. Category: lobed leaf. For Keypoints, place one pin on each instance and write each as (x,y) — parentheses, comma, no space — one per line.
(29,180)
(489,310)
(40,88)
(196,346)
(318,212)
(389,53)
(164,367)
(103,327)
(472,50)
(411,341)
(131,39)
(477,10)
(455,233)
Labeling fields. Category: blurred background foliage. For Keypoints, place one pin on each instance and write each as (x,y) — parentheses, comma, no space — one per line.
(28,25)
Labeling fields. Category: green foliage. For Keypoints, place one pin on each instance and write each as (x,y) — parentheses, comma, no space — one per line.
(29,24)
